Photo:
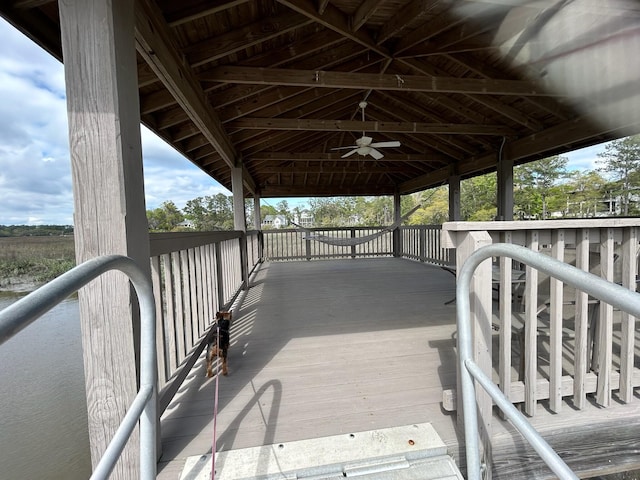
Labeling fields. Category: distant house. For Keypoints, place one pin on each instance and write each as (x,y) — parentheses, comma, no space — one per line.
(274,221)
(305,219)
(186,224)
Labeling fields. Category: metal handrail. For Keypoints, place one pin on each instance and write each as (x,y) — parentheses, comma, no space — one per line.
(143,408)
(611,293)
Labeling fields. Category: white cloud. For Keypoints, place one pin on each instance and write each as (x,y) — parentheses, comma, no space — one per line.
(35,169)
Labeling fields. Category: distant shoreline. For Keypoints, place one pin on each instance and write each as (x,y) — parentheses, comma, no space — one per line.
(28,262)
(21,284)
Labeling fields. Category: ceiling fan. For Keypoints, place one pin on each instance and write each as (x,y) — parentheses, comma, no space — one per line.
(365,145)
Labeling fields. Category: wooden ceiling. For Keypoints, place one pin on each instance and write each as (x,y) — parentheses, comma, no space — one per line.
(274,85)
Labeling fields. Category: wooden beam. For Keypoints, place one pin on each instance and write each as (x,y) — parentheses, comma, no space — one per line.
(336,157)
(357,165)
(363,81)
(310,190)
(154,45)
(320,125)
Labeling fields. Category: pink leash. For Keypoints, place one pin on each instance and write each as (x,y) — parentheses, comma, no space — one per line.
(215,411)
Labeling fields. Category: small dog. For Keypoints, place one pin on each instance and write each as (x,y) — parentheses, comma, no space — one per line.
(219,345)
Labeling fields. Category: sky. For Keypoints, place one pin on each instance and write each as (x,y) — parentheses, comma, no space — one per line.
(35,170)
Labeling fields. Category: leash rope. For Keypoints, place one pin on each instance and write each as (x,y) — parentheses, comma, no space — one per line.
(215,406)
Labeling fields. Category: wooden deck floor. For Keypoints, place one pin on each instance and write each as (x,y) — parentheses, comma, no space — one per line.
(322,348)
(329,347)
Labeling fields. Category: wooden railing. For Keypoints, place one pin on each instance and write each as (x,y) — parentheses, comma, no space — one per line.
(194,275)
(290,244)
(567,344)
(421,243)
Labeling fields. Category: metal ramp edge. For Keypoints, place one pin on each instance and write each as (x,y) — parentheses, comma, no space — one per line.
(405,453)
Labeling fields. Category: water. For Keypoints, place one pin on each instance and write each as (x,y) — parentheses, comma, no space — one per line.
(43,413)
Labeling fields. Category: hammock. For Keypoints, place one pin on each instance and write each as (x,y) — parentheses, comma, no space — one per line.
(348,242)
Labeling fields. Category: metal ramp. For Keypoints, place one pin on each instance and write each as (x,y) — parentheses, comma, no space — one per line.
(399,453)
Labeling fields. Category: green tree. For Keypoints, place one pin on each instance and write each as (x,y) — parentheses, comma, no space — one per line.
(534,183)
(333,212)
(164,218)
(478,198)
(434,209)
(213,212)
(282,208)
(621,160)
(583,191)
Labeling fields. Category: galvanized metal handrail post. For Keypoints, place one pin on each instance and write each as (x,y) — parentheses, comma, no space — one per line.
(611,293)
(28,309)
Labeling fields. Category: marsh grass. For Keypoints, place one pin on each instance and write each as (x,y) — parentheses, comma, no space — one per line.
(35,259)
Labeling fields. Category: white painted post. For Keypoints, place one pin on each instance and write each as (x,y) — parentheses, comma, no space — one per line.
(106,164)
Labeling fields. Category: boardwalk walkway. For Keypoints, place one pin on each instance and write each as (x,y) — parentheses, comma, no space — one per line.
(323,348)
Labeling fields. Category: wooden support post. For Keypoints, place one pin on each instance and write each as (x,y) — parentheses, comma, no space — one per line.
(555,368)
(480,304)
(257,220)
(505,189)
(628,328)
(257,224)
(582,361)
(454,198)
(604,353)
(110,218)
(506,307)
(397,214)
(530,352)
(240,221)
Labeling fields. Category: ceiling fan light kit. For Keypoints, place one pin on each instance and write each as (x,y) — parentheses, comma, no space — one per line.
(365,145)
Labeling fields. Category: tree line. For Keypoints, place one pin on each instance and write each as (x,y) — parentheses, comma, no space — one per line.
(35,230)
(543,189)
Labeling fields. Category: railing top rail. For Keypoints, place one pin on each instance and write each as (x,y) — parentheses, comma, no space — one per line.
(346,229)
(540,224)
(167,242)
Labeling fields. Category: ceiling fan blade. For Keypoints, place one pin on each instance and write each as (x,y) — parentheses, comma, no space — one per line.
(349,153)
(344,148)
(394,143)
(375,153)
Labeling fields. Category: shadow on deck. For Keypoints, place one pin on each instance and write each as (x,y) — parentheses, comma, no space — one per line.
(331,347)
(322,348)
